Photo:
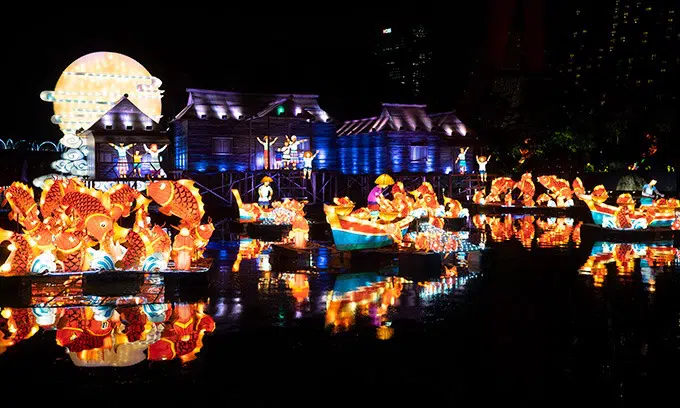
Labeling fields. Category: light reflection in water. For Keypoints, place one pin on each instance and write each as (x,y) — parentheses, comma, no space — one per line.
(113,335)
(545,232)
(368,295)
(623,255)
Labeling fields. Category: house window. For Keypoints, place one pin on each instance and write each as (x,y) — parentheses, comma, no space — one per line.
(222,145)
(418,153)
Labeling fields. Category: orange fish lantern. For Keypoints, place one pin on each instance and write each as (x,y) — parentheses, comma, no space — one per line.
(526,185)
(600,194)
(161,242)
(577,186)
(16,325)
(71,246)
(52,194)
(183,336)
(183,248)
(79,329)
(97,225)
(626,200)
(479,221)
(20,198)
(478,197)
(22,253)
(454,207)
(622,218)
(121,197)
(508,199)
(299,285)
(136,245)
(343,201)
(179,198)
(300,232)
(398,187)
(137,324)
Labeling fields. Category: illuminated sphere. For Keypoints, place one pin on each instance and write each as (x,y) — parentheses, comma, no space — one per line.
(93,83)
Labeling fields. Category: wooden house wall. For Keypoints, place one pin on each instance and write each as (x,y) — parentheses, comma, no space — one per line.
(326,142)
(106,158)
(390,152)
(195,136)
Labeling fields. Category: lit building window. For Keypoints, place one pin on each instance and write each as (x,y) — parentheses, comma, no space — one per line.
(418,153)
(222,146)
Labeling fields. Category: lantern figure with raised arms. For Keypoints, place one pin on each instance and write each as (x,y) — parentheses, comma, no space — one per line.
(267,145)
(122,149)
(307,159)
(462,164)
(154,152)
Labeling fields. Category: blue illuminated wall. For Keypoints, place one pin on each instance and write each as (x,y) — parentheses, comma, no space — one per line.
(390,152)
(325,141)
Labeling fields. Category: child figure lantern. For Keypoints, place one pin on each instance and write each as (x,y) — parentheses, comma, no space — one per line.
(294,142)
(482,162)
(462,164)
(285,155)
(265,192)
(137,164)
(122,151)
(307,159)
(155,161)
(267,145)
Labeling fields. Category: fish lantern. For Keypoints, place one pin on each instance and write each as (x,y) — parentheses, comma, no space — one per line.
(202,236)
(300,232)
(626,200)
(179,198)
(478,197)
(600,194)
(577,186)
(508,200)
(182,249)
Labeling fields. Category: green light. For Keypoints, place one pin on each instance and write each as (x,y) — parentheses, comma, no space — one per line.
(279,110)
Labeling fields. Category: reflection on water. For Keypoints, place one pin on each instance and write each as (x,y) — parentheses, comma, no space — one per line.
(545,232)
(623,257)
(344,300)
(114,336)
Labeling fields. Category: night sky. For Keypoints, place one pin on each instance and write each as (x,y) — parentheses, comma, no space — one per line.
(327,54)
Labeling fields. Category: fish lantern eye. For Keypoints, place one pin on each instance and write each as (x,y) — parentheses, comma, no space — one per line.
(162,187)
(71,239)
(102,224)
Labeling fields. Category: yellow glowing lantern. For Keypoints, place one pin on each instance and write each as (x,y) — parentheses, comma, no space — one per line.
(93,83)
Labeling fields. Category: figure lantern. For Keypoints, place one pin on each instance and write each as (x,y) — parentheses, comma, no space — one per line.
(307,160)
(122,151)
(265,192)
(267,144)
(155,161)
(293,143)
(461,160)
(482,161)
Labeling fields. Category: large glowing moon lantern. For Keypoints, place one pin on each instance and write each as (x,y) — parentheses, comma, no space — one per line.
(92,84)
(87,89)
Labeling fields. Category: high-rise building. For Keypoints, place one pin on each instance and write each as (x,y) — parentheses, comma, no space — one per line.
(643,48)
(622,52)
(405,55)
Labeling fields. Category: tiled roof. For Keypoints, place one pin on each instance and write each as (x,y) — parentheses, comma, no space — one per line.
(123,115)
(209,104)
(396,117)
